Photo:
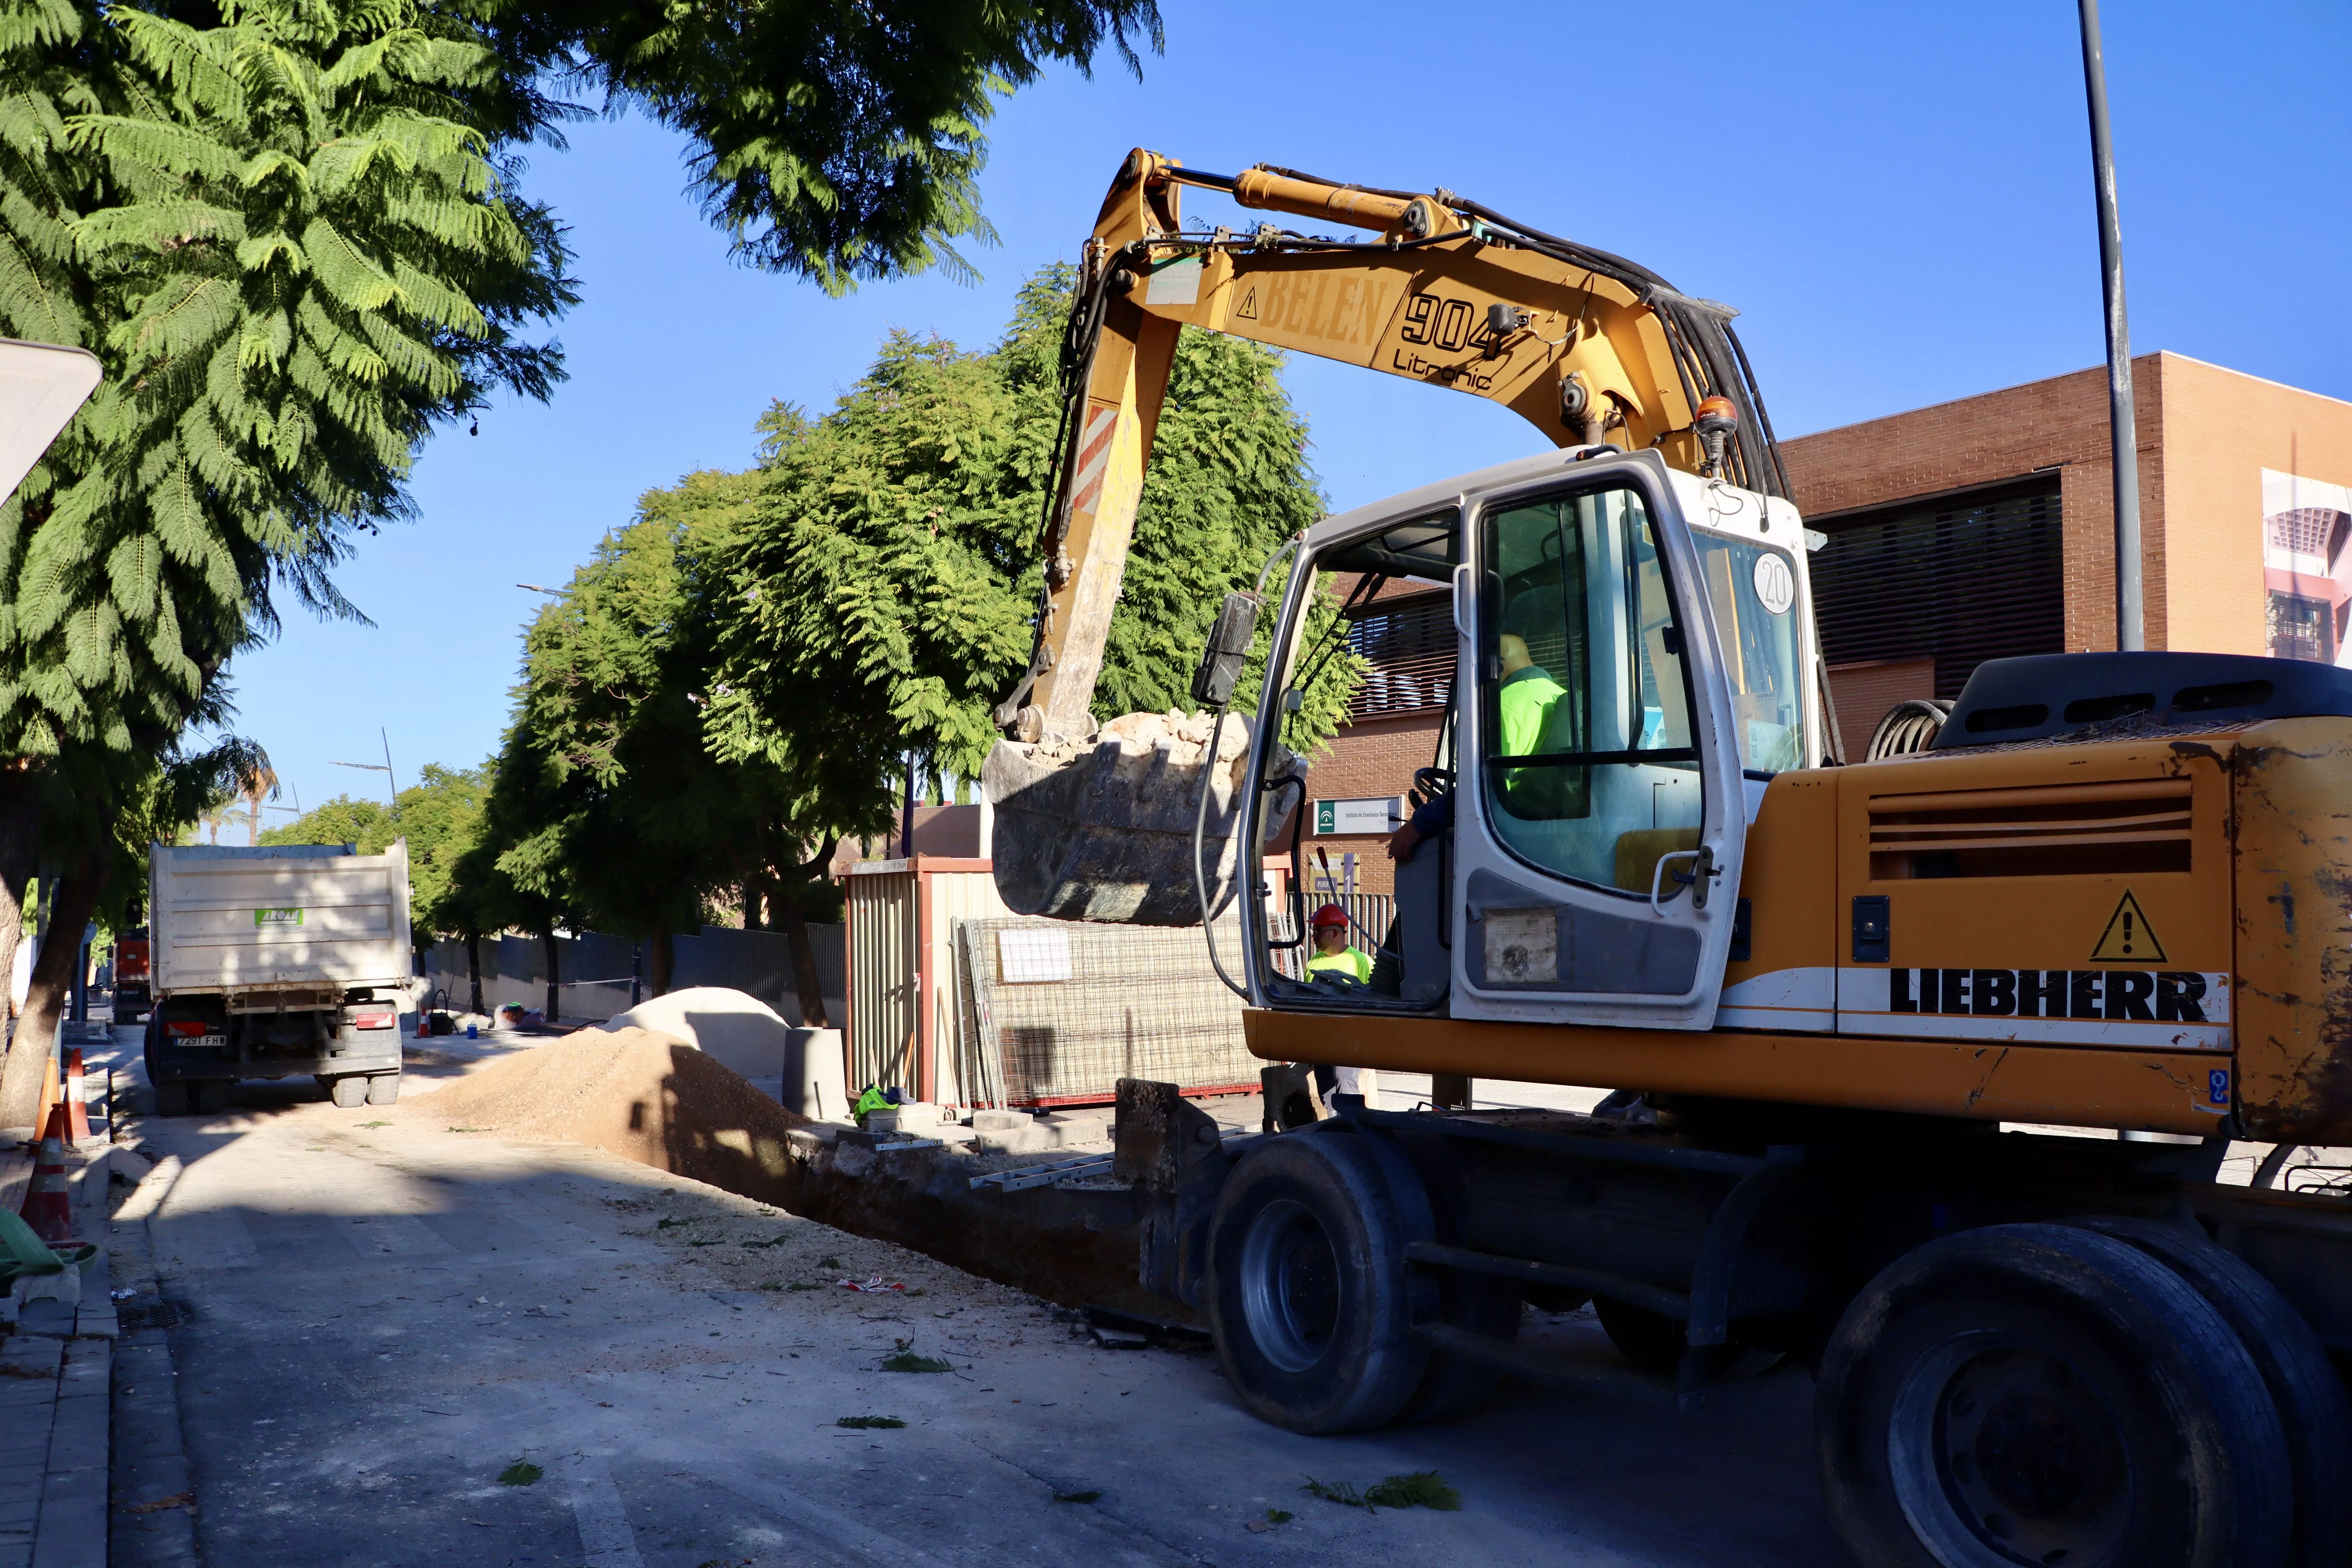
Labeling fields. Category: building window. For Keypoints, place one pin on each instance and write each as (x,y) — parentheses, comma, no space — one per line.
(1956,581)
(2302,627)
(1410,647)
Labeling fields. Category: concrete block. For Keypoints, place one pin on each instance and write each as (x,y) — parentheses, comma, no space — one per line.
(1000,1121)
(1071,1127)
(1029,1140)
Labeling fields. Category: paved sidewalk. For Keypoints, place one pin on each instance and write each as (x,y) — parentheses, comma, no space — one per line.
(53,1431)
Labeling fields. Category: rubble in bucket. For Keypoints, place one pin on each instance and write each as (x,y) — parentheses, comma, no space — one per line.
(1101,828)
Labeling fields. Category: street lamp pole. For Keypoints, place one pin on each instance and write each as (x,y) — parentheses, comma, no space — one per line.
(2131,632)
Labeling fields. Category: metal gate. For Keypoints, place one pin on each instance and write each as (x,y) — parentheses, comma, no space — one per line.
(885,1005)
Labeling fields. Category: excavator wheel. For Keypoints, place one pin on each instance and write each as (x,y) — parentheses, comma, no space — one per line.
(1306,1286)
(2040,1393)
(2312,1407)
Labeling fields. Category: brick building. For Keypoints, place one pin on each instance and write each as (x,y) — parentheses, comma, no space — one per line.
(1980,528)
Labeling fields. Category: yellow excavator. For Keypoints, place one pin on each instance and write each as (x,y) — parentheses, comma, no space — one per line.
(1859,1019)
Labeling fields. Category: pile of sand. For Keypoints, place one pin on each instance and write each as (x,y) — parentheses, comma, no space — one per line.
(643,1096)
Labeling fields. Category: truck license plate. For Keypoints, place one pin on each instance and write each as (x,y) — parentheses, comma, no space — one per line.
(207,1043)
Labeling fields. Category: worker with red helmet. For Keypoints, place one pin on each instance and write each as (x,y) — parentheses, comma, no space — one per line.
(1334,958)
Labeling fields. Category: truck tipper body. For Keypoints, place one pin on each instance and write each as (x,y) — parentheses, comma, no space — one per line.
(277,962)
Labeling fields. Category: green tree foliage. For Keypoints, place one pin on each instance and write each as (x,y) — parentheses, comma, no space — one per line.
(835,142)
(887,579)
(441,817)
(608,804)
(289,240)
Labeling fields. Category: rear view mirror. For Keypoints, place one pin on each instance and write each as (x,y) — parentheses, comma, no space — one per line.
(1229,642)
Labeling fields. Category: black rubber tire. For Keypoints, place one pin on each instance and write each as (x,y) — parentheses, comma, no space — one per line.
(384,1088)
(1451,1386)
(2054,1365)
(1651,1341)
(209,1095)
(2312,1407)
(1308,1288)
(348,1091)
(172,1098)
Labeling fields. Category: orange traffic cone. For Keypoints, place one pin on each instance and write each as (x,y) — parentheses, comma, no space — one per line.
(76,1100)
(47,1208)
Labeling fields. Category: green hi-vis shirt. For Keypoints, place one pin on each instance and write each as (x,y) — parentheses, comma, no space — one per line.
(1354,962)
(1526,702)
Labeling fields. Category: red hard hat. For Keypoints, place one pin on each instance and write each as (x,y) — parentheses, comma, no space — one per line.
(1329,915)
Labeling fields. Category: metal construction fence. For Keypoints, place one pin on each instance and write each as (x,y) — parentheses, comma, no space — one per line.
(1057,1011)
(594,971)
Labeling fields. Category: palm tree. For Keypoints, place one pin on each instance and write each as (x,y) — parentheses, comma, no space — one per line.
(254,783)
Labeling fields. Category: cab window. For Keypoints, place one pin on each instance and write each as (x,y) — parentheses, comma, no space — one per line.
(1752,588)
(1589,769)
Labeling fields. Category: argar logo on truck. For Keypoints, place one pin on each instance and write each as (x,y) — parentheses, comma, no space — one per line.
(276,917)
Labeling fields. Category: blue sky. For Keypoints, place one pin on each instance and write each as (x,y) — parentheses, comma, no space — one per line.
(1896,197)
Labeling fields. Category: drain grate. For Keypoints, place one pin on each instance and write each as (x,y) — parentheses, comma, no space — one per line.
(153,1315)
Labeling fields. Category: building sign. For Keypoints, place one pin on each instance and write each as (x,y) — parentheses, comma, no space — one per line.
(1381,814)
(2307,568)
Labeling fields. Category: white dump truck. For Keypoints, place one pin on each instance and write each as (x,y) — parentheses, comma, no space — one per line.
(273,963)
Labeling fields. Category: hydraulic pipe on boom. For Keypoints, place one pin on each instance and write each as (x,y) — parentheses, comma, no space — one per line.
(1590,348)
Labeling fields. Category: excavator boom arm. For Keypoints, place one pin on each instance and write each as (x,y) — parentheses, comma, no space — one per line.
(1586,346)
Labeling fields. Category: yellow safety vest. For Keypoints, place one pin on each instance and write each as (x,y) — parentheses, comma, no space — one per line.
(1354,963)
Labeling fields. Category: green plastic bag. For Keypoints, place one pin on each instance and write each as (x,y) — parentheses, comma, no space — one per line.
(22,1252)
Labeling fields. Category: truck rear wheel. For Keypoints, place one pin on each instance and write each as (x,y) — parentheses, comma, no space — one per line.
(347,1091)
(2312,1411)
(384,1088)
(171,1097)
(1307,1296)
(2038,1393)
(210,1094)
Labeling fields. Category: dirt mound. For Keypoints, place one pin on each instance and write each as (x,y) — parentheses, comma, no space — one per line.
(643,1096)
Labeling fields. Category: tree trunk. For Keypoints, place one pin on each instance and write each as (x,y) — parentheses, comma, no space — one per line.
(474,972)
(554,979)
(53,978)
(808,986)
(20,825)
(662,955)
(752,918)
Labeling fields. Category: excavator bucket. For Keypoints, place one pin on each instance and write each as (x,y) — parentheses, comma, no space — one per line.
(1101,829)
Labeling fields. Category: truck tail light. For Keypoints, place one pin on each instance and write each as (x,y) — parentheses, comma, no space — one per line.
(375,1020)
(185,1025)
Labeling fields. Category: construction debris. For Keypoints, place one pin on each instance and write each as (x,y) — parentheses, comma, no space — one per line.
(1100,827)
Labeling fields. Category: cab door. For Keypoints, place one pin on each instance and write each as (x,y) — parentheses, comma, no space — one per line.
(1599,822)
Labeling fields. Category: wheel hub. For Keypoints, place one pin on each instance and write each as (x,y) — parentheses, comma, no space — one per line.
(2003,1453)
(1290,1285)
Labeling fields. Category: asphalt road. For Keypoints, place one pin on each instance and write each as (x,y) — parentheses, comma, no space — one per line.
(383,1316)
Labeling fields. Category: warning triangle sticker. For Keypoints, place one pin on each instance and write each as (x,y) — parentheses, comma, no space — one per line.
(1247,309)
(2128,938)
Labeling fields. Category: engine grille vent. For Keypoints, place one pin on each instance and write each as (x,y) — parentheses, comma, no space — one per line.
(2074,830)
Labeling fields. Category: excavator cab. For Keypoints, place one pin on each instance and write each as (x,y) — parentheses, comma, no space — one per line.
(1632,665)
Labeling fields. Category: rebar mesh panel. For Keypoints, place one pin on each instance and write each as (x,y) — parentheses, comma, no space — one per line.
(1135,1001)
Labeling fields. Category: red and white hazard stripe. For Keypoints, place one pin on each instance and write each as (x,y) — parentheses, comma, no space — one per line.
(1094,457)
